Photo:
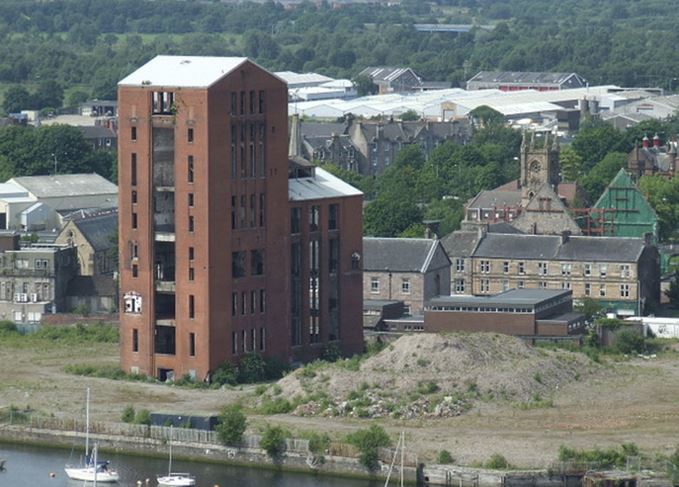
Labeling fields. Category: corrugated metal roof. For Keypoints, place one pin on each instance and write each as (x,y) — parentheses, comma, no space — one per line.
(182,71)
(530,297)
(322,185)
(66,185)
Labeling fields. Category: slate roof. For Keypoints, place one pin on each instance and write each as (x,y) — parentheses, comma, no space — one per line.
(550,247)
(503,227)
(66,185)
(319,129)
(520,77)
(397,254)
(98,230)
(97,132)
(384,73)
(460,243)
(496,199)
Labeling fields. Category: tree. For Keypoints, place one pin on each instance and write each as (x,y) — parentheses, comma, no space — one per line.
(364,85)
(595,140)
(663,195)
(48,94)
(596,180)
(389,216)
(232,425)
(571,164)
(409,116)
(487,116)
(273,441)
(368,441)
(672,292)
(17,98)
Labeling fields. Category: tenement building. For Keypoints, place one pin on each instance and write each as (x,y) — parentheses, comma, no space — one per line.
(224,250)
(621,273)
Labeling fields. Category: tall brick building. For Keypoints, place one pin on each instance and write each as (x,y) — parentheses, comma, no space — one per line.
(206,197)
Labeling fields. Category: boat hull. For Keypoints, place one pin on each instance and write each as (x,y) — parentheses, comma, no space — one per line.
(87,474)
(176,480)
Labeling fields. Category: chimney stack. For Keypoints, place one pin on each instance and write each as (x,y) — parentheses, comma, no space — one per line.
(644,142)
(565,236)
(656,141)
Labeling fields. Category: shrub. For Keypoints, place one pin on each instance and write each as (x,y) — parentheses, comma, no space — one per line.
(278,405)
(604,458)
(497,462)
(427,387)
(143,417)
(368,441)
(444,457)
(231,426)
(318,444)
(629,341)
(273,441)
(225,374)
(7,327)
(331,353)
(274,369)
(128,414)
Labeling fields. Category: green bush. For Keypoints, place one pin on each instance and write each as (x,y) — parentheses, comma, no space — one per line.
(368,441)
(331,353)
(629,342)
(429,387)
(79,333)
(279,405)
(273,440)
(444,457)
(225,374)
(231,426)
(143,417)
(603,458)
(318,444)
(274,368)
(497,462)
(128,414)
(7,327)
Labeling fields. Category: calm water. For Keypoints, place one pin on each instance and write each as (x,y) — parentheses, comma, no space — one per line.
(31,466)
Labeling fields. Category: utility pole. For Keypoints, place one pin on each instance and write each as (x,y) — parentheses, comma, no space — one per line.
(54,155)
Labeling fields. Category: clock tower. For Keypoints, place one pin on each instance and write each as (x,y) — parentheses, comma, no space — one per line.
(539,164)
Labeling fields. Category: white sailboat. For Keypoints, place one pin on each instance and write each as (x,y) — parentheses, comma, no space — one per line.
(93,470)
(174,479)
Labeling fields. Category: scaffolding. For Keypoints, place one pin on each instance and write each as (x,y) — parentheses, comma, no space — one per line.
(595,222)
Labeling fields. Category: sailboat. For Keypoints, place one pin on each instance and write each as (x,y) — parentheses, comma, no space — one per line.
(93,470)
(174,479)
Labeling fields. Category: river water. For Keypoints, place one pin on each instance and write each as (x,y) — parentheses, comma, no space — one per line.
(29,466)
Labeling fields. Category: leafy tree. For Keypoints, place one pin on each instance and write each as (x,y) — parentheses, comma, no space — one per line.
(390,216)
(444,457)
(48,94)
(595,140)
(596,180)
(128,414)
(672,292)
(487,116)
(571,164)
(368,441)
(252,368)
(663,196)
(232,425)
(225,374)
(17,98)
(365,86)
(273,441)
(143,417)
(409,116)
(629,341)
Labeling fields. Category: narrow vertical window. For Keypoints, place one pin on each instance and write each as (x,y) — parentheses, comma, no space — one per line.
(253,155)
(192,344)
(261,102)
(191,253)
(234,342)
(134,220)
(262,340)
(234,103)
(190,223)
(190,199)
(135,270)
(189,135)
(253,302)
(262,209)
(253,339)
(192,306)
(243,303)
(234,152)
(262,300)
(234,304)
(192,274)
(242,103)
(253,213)
(252,102)
(134,197)
(262,152)
(133,133)
(234,211)
(242,151)
(135,340)
(244,341)
(190,169)
(242,211)
(133,169)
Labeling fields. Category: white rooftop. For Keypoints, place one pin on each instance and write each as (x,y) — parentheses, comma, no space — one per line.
(322,185)
(65,185)
(183,71)
(292,78)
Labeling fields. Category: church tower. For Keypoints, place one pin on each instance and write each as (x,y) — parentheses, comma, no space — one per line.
(539,164)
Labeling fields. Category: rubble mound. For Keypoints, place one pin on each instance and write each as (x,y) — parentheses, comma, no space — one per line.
(433,375)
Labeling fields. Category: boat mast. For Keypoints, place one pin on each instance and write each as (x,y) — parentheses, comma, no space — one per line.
(87,424)
(94,453)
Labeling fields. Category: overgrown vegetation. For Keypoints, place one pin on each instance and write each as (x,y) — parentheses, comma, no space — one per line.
(444,457)
(497,462)
(273,440)
(128,414)
(232,425)
(73,334)
(368,441)
(599,457)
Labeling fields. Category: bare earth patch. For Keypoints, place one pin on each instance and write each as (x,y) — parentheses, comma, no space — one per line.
(591,404)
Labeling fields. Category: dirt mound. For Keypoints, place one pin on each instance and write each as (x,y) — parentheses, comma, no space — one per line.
(431,375)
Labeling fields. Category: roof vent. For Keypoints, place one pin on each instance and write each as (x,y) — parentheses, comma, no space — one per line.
(185,61)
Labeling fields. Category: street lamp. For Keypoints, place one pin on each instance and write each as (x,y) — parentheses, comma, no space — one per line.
(54,155)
